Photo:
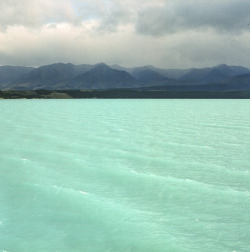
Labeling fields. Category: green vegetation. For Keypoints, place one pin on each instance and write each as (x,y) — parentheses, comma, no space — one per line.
(121,94)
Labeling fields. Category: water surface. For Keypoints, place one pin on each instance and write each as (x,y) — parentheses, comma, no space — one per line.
(124,175)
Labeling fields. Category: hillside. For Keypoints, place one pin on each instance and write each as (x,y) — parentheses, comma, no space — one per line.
(10,73)
(102,77)
(214,74)
(60,76)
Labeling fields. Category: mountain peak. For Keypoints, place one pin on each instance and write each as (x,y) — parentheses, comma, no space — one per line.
(102,76)
(101,65)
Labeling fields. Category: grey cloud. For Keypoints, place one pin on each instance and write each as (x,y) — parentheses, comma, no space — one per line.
(109,14)
(157,18)
(179,50)
(36,13)
(223,15)
(182,34)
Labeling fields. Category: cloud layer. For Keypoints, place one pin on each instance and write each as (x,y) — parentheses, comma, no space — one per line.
(166,33)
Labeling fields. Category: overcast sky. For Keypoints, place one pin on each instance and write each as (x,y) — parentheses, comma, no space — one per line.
(163,33)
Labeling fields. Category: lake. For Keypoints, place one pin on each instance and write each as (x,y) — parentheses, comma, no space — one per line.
(124,175)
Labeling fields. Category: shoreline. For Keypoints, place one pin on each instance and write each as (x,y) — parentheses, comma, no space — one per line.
(121,94)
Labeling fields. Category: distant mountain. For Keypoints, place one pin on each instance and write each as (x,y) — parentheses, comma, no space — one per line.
(50,76)
(214,74)
(146,75)
(168,73)
(236,83)
(239,82)
(103,77)
(120,68)
(60,76)
(69,76)
(53,76)
(10,73)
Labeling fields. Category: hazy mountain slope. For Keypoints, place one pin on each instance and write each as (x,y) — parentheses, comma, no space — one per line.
(46,76)
(214,74)
(147,75)
(236,83)
(50,76)
(168,73)
(239,82)
(102,77)
(10,73)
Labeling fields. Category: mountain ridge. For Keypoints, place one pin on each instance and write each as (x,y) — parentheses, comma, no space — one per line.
(58,76)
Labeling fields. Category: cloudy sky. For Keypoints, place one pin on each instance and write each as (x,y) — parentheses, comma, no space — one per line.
(163,33)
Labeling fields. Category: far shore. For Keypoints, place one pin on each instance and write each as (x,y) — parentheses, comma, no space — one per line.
(121,94)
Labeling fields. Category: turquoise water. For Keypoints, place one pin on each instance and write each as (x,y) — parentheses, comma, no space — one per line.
(124,175)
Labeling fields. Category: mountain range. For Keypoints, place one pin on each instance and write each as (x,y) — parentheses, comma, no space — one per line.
(60,76)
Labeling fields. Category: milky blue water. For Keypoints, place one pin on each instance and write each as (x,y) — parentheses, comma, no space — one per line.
(124,175)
